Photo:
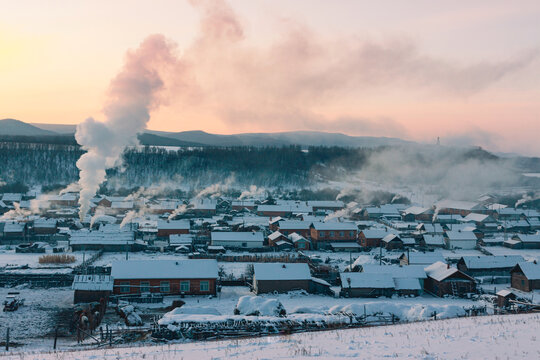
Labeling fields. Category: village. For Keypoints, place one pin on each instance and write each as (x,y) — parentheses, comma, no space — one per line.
(141,268)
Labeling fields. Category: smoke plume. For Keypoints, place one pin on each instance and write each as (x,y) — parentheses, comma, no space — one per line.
(253,192)
(132,94)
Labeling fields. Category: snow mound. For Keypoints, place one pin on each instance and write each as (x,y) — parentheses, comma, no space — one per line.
(402,311)
(130,315)
(198,310)
(259,306)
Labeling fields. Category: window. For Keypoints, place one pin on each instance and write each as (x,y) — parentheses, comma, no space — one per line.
(351,233)
(321,233)
(204,286)
(332,234)
(244,244)
(285,233)
(301,245)
(164,287)
(341,233)
(124,287)
(184,286)
(145,286)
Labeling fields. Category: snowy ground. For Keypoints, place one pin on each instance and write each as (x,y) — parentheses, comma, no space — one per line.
(490,337)
(8,257)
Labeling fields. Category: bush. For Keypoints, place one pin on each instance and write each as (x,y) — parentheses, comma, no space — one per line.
(57,259)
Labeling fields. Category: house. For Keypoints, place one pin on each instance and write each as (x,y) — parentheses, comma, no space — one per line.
(11,198)
(332,205)
(418,258)
(170,227)
(287,227)
(280,277)
(285,210)
(239,205)
(428,228)
(92,288)
(300,242)
(324,233)
(121,206)
(275,237)
(454,207)
(465,240)
(442,279)
(522,241)
(372,237)
(417,213)
(167,277)
(204,207)
(360,284)
(183,240)
(45,226)
(408,280)
(392,242)
(107,241)
(239,240)
(432,241)
(389,211)
(488,265)
(345,246)
(504,298)
(525,276)
(163,207)
(15,231)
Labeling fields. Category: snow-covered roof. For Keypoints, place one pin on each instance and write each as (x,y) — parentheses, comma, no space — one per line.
(504,292)
(13,197)
(101,238)
(440,271)
(460,235)
(396,271)
(492,262)
(335,226)
(528,238)
(294,237)
(345,245)
(459,205)
(14,227)
(275,235)
(366,280)
(416,210)
(45,223)
(476,218)
(93,282)
(390,237)
(375,233)
(204,204)
(281,271)
(249,203)
(437,240)
(407,284)
(237,236)
(416,258)
(177,239)
(173,225)
(294,225)
(122,205)
(531,270)
(165,269)
(326,203)
(320,281)
(296,208)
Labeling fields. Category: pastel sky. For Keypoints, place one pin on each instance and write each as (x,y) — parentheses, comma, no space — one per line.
(467,71)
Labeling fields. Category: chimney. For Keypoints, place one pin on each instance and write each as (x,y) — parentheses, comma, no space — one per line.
(448,266)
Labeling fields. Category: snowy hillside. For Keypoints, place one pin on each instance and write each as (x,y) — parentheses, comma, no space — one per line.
(491,337)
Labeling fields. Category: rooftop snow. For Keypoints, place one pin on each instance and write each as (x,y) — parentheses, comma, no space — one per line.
(165,269)
(281,271)
(366,280)
(237,236)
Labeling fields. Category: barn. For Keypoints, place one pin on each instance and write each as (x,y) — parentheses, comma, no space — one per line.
(445,280)
(360,284)
(167,277)
(280,277)
(170,227)
(488,265)
(238,240)
(525,276)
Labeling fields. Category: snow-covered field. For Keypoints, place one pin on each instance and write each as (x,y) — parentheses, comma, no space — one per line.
(489,337)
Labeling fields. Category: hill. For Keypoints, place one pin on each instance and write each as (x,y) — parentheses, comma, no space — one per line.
(12,127)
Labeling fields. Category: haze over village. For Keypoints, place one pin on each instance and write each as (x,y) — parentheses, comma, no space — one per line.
(270,179)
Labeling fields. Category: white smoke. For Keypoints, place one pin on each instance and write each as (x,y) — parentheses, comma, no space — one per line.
(73,187)
(435,214)
(130,215)
(178,211)
(16,213)
(524,199)
(346,192)
(216,190)
(253,192)
(132,94)
(343,213)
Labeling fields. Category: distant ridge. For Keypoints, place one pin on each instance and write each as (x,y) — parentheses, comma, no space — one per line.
(202,138)
(12,127)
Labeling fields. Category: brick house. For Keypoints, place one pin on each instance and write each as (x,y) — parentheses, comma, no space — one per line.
(324,233)
(167,277)
(442,279)
(170,227)
(288,227)
(371,237)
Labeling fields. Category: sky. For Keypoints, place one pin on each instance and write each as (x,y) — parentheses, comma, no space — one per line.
(467,72)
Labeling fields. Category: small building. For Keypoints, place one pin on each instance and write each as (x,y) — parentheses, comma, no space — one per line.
(345,246)
(276,236)
(92,288)
(417,213)
(107,241)
(523,241)
(287,227)
(239,205)
(371,237)
(360,284)
(285,210)
(300,242)
(525,276)
(392,242)
(324,233)
(170,227)
(418,258)
(166,277)
(503,298)
(488,265)
(465,240)
(280,277)
(442,279)
(238,240)
(408,280)
(432,241)
(331,205)
(45,226)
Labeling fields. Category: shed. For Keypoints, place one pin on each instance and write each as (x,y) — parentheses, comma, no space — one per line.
(280,277)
